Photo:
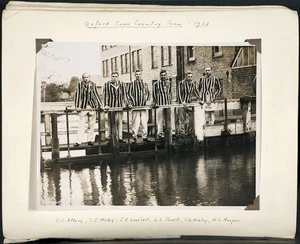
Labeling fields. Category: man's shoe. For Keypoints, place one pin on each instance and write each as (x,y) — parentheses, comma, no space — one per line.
(121,141)
(90,143)
(146,140)
(134,140)
(76,144)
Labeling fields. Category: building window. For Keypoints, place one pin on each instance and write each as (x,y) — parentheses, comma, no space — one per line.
(154,57)
(190,53)
(245,57)
(217,51)
(125,63)
(165,55)
(136,60)
(105,68)
(104,47)
(114,64)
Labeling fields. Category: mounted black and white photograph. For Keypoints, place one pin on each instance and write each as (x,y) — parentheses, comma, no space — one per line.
(148,125)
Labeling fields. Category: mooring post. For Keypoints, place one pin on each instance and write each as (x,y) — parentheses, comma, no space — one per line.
(47,129)
(155,130)
(114,134)
(225,133)
(168,128)
(99,131)
(54,140)
(128,132)
(68,133)
(226,116)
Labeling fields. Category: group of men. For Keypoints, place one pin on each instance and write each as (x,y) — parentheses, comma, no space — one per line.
(116,94)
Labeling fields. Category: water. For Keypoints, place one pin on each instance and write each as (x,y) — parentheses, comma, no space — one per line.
(217,178)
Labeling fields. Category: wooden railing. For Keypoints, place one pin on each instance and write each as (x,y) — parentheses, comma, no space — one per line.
(228,123)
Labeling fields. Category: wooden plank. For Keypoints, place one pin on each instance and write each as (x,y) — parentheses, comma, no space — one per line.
(231,105)
(216,130)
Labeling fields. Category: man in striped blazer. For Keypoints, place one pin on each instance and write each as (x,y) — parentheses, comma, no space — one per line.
(162,95)
(138,94)
(186,91)
(209,89)
(86,97)
(115,96)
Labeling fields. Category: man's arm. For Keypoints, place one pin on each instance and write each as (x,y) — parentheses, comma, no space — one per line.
(96,97)
(154,92)
(129,92)
(180,92)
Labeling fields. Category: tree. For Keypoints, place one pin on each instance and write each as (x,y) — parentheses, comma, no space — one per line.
(53,92)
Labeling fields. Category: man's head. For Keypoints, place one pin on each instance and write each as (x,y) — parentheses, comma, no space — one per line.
(163,74)
(189,76)
(86,77)
(138,74)
(114,76)
(208,71)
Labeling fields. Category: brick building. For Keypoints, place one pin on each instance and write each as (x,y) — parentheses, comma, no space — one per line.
(234,66)
(149,59)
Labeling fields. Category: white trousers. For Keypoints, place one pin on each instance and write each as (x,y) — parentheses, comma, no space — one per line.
(140,118)
(90,117)
(119,124)
(160,120)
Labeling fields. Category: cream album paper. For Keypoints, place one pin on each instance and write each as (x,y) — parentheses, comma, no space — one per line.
(203,144)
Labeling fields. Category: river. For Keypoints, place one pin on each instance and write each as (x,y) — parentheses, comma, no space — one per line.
(218,177)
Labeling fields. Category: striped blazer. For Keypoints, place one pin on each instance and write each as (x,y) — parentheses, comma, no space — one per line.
(162,94)
(186,90)
(87,94)
(209,88)
(138,93)
(115,95)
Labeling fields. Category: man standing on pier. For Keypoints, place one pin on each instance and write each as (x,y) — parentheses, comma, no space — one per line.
(115,96)
(138,94)
(209,89)
(186,90)
(162,95)
(86,97)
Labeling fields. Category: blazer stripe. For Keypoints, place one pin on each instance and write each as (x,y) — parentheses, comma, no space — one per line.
(209,86)
(87,94)
(162,93)
(186,90)
(138,93)
(115,95)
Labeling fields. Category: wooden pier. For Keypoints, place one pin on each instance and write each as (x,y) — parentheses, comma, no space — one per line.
(234,118)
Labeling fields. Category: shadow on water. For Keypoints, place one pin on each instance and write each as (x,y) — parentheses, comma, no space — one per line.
(218,177)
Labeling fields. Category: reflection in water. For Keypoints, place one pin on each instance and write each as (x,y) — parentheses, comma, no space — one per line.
(221,178)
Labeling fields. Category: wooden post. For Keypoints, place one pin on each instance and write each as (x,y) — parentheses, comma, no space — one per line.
(168,128)
(155,130)
(225,133)
(176,121)
(99,131)
(226,116)
(54,141)
(68,132)
(128,141)
(47,130)
(113,133)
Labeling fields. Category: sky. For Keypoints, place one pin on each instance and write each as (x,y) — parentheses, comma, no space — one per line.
(58,62)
